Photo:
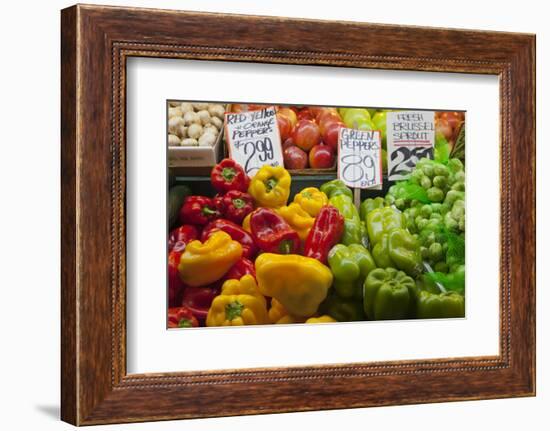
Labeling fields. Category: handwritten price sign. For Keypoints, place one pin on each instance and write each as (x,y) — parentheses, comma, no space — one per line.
(410,137)
(360,158)
(253,139)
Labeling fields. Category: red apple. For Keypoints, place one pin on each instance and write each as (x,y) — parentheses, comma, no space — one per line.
(288,143)
(326,118)
(316,110)
(285,126)
(321,157)
(306,134)
(304,114)
(330,135)
(290,114)
(324,111)
(294,158)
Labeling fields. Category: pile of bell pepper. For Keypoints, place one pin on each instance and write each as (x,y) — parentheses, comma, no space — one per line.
(251,256)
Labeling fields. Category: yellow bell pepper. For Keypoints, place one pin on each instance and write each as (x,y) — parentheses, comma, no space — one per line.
(246,223)
(245,286)
(270,187)
(321,319)
(204,263)
(236,310)
(297,218)
(299,283)
(277,314)
(311,199)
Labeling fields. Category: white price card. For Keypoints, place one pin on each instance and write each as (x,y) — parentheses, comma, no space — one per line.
(253,139)
(410,137)
(360,158)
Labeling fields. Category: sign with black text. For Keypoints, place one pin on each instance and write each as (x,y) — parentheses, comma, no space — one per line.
(410,137)
(360,158)
(253,139)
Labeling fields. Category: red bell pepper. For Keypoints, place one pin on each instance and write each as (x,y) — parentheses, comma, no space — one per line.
(181,317)
(236,232)
(234,205)
(240,269)
(175,285)
(181,236)
(198,210)
(325,233)
(228,175)
(199,299)
(272,233)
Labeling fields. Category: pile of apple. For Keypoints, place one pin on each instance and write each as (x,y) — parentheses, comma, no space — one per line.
(309,136)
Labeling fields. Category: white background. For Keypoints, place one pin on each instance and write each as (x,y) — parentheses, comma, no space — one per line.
(29,225)
(153,349)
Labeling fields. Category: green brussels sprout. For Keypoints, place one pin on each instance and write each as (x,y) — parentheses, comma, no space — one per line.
(440,181)
(452,196)
(455,165)
(435,194)
(424,252)
(426,183)
(441,170)
(435,251)
(400,203)
(458,186)
(428,170)
(450,222)
(460,177)
(426,210)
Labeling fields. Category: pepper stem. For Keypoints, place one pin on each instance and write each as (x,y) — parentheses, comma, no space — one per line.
(184,323)
(270,184)
(285,246)
(233,309)
(239,203)
(228,174)
(208,211)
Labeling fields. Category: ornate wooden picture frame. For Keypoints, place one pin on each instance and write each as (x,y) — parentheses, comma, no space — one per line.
(96,42)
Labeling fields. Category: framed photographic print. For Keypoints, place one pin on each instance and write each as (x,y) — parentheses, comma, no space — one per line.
(293,215)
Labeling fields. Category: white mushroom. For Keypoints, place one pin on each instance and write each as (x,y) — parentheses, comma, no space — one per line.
(204,116)
(200,106)
(194,131)
(186,107)
(173,140)
(210,128)
(174,112)
(181,131)
(189,142)
(173,104)
(191,118)
(216,122)
(207,140)
(174,123)
(216,111)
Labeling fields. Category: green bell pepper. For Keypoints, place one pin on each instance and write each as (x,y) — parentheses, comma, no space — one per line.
(354,229)
(369,205)
(398,249)
(355,232)
(389,294)
(439,305)
(335,188)
(344,204)
(342,309)
(381,221)
(350,266)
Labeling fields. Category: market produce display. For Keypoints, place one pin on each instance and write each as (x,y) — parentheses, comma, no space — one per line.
(264,250)
(194,124)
